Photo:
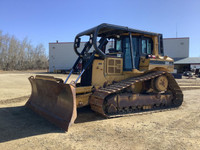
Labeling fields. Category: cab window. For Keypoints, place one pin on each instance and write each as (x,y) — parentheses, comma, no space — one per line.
(147,46)
(118,45)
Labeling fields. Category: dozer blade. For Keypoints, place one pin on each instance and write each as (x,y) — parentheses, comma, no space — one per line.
(53,100)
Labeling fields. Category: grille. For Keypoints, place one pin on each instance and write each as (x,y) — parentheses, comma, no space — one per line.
(114,65)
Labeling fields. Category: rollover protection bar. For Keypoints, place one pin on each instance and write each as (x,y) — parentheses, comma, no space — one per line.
(99,30)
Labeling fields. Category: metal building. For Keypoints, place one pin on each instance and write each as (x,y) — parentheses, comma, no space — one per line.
(187,64)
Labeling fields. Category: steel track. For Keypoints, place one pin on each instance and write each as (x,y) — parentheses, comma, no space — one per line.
(98,98)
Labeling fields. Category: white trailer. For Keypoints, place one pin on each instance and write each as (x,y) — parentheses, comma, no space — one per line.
(62,56)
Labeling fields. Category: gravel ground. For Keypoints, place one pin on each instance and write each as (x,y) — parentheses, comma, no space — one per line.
(20,128)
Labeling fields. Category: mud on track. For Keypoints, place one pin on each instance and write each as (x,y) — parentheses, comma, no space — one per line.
(20,128)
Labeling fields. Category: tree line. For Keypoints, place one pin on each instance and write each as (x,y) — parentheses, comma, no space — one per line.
(21,55)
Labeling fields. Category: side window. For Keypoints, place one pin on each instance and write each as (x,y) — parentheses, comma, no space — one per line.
(118,45)
(144,46)
(147,46)
(114,46)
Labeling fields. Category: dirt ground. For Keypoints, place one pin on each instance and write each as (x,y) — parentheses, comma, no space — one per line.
(22,129)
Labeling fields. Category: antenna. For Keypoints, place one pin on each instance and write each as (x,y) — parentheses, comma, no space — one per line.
(176,31)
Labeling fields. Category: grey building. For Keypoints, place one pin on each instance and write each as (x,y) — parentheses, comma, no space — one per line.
(187,64)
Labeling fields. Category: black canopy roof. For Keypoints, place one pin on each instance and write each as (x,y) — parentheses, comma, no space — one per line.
(105,27)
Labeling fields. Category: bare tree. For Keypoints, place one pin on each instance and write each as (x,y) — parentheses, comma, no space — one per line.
(21,55)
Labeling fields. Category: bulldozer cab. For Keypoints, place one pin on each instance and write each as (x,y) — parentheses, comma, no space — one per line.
(106,40)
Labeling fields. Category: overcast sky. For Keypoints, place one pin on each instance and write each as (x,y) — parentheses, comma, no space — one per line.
(44,21)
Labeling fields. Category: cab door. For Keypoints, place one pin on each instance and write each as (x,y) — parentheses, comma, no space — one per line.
(131,53)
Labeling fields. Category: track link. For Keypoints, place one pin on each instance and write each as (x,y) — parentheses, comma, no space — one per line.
(98,98)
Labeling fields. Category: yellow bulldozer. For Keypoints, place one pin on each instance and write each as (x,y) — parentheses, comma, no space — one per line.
(123,71)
